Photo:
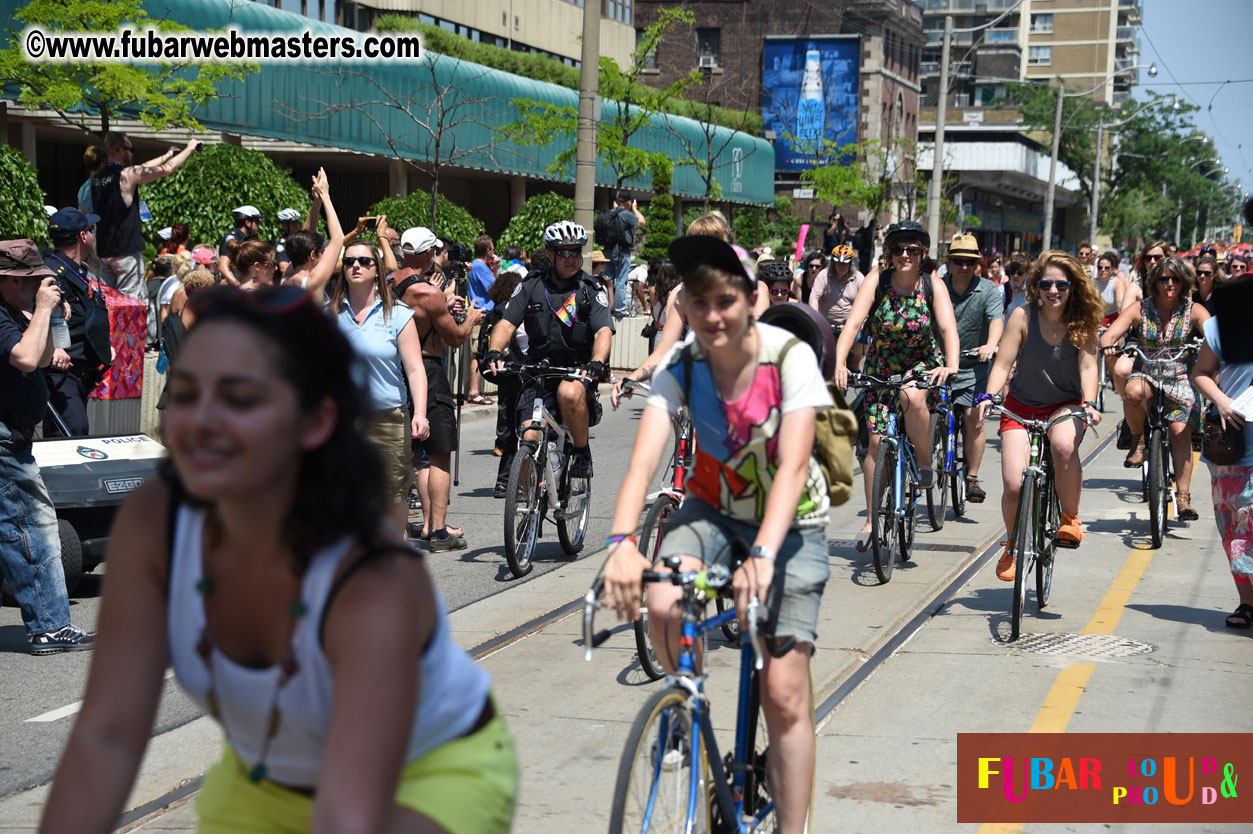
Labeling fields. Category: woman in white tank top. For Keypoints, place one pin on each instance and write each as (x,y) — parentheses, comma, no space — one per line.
(262,564)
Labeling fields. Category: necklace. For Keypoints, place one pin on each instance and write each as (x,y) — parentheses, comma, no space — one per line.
(288,666)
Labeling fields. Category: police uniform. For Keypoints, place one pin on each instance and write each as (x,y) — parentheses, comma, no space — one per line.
(234,234)
(561,326)
(89,350)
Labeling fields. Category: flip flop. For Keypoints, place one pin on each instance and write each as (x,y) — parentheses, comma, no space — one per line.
(863,541)
(456,531)
(1242,617)
(479,399)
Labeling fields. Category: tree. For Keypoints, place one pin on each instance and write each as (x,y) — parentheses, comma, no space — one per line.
(773,226)
(526,228)
(659,227)
(23,199)
(952,212)
(81,92)
(436,118)
(867,174)
(212,183)
(710,154)
(629,105)
(455,224)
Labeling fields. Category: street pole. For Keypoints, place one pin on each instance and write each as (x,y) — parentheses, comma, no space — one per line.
(1178,224)
(937,158)
(1057,141)
(1096,182)
(585,153)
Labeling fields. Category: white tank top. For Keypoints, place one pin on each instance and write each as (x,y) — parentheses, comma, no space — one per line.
(1108,293)
(453,690)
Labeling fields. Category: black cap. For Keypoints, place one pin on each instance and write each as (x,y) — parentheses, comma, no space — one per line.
(624,196)
(910,229)
(691,251)
(71,220)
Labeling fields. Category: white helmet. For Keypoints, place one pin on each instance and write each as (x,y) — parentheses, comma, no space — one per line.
(287,215)
(565,233)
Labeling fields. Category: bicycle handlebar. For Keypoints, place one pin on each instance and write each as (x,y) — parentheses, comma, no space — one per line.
(1134,350)
(1045,425)
(629,385)
(542,369)
(918,380)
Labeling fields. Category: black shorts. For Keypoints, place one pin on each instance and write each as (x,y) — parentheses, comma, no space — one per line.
(526,400)
(441,411)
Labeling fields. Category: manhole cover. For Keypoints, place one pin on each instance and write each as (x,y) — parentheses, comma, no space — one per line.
(1100,646)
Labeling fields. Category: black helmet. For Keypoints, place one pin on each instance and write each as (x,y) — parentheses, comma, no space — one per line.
(906,229)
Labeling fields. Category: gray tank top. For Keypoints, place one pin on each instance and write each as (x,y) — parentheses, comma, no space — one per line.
(1047,375)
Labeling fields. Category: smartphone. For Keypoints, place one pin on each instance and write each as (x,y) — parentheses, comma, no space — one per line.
(371,223)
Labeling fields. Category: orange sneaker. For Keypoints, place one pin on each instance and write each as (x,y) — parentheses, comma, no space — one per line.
(1005,566)
(1071,530)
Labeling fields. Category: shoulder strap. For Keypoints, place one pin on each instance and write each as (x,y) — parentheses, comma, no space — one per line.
(372,552)
(881,291)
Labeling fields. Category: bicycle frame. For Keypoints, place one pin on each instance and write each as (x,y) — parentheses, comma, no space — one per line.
(543,422)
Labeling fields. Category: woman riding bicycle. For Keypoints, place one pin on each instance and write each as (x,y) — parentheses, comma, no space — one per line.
(1053,337)
(753,392)
(903,338)
(1110,285)
(1167,317)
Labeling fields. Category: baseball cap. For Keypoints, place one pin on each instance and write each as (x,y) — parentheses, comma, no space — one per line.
(417,240)
(287,215)
(202,256)
(166,233)
(247,211)
(964,246)
(691,251)
(71,220)
(21,258)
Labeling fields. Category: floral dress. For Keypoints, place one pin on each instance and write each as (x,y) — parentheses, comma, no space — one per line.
(1182,403)
(901,339)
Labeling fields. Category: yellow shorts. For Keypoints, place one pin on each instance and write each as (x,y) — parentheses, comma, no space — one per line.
(467,786)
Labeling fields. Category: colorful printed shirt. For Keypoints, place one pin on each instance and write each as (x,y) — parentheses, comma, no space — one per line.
(737,442)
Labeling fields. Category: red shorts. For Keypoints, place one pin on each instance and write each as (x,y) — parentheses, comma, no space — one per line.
(1009,423)
(1109,319)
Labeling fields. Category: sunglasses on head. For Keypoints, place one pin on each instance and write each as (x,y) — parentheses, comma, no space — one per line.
(1061,286)
(364,260)
(913,250)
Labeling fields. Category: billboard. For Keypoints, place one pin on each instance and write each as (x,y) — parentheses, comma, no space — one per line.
(809,97)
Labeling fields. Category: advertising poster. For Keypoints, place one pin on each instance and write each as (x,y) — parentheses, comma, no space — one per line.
(809,97)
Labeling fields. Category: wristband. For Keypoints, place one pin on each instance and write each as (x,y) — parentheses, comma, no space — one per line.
(621,537)
(985,397)
(760,552)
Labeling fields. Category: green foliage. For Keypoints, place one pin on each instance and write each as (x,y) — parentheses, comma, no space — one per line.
(659,228)
(23,199)
(543,68)
(866,175)
(159,95)
(526,229)
(455,224)
(779,225)
(218,179)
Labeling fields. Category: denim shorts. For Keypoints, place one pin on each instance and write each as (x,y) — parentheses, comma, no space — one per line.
(965,394)
(801,569)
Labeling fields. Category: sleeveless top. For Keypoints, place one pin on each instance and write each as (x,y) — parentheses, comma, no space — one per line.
(453,687)
(119,232)
(1047,374)
(1108,293)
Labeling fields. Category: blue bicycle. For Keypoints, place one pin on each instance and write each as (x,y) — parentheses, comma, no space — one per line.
(948,444)
(896,493)
(671,777)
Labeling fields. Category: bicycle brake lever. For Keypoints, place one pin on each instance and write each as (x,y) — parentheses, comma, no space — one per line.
(590,600)
(758,661)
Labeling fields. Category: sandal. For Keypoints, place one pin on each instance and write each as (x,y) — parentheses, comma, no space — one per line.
(479,399)
(455,531)
(1183,507)
(1242,617)
(862,544)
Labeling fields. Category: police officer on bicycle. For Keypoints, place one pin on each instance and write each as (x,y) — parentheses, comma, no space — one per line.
(560,314)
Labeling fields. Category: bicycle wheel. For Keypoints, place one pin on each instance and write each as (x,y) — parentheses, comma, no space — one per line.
(1100,380)
(522,510)
(1158,494)
(663,777)
(1044,564)
(650,539)
(758,798)
(885,536)
(909,524)
(1024,552)
(576,501)
(957,481)
(937,495)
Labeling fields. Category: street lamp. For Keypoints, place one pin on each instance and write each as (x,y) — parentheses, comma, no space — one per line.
(1057,140)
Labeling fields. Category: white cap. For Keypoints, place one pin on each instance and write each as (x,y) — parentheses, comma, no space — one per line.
(246,211)
(287,215)
(166,233)
(417,240)
(51,210)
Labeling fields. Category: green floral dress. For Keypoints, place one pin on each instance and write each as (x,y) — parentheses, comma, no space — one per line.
(901,339)
(1156,338)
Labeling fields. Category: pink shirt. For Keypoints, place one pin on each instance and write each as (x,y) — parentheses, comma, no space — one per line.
(833,298)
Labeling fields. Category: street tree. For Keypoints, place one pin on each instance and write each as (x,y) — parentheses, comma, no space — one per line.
(712,151)
(92,95)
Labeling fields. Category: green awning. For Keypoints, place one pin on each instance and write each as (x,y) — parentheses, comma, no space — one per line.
(292,103)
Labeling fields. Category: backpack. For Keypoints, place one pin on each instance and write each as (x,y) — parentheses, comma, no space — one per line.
(607,229)
(835,430)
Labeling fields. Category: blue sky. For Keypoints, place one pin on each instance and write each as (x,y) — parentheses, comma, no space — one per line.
(1206,41)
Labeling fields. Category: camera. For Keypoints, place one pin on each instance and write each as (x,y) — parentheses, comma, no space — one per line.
(371,223)
(459,257)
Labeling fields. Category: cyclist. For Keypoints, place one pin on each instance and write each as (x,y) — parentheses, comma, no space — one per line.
(905,315)
(567,320)
(1166,318)
(1110,285)
(753,392)
(978,308)
(1015,286)
(1053,337)
(836,287)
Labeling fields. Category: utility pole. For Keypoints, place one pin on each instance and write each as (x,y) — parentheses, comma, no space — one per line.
(585,155)
(1096,182)
(1057,141)
(937,159)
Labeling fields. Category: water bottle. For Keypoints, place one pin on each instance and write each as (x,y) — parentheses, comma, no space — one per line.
(554,457)
(811,115)
(60,332)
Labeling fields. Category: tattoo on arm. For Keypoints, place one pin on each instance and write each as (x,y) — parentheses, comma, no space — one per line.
(646,373)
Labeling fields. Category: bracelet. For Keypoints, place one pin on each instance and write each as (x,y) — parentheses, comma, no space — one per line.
(618,538)
(985,397)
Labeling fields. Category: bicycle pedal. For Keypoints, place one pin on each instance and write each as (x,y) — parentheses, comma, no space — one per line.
(1066,545)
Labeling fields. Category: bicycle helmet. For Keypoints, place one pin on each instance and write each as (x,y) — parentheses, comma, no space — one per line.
(565,233)
(770,271)
(808,325)
(288,215)
(910,229)
(843,253)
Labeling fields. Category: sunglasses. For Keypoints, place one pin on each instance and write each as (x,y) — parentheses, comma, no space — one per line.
(275,301)
(1205,273)
(569,254)
(814,265)
(1013,273)
(1170,279)
(913,250)
(1104,267)
(781,293)
(1153,257)
(364,260)
(1085,254)
(963,263)
(1061,286)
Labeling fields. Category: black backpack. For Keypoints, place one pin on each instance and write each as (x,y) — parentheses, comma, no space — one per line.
(607,229)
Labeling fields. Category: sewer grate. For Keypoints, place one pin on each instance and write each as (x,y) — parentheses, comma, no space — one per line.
(1100,646)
